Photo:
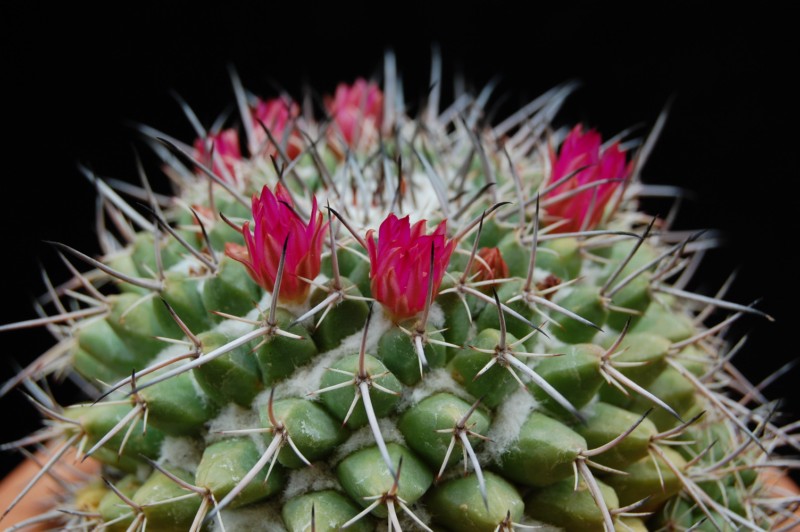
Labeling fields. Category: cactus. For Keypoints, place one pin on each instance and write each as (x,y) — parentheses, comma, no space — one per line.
(376,320)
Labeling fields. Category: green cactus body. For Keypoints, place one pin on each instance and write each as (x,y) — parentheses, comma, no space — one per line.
(225,462)
(339,369)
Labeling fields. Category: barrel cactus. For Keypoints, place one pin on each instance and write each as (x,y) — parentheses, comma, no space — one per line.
(352,318)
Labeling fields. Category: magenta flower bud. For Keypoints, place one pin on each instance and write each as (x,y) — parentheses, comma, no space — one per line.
(400,264)
(276,115)
(224,146)
(608,168)
(357,110)
(274,220)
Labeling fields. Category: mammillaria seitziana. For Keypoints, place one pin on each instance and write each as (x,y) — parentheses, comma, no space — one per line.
(364,319)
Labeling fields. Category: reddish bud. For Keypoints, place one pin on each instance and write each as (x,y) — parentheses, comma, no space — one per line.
(357,110)
(276,115)
(275,219)
(606,167)
(224,147)
(491,266)
(400,264)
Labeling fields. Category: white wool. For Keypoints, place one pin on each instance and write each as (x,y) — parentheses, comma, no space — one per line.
(438,380)
(181,452)
(303,381)
(363,437)
(426,204)
(310,479)
(264,517)
(232,417)
(508,420)
(436,315)
(308,378)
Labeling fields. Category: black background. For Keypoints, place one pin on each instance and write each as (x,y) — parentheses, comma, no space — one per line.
(74,78)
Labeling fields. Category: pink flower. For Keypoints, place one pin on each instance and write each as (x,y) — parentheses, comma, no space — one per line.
(357,110)
(275,219)
(609,167)
(226,153)
(276,114)
(400,264)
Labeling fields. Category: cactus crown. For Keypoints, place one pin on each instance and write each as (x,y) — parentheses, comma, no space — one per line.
(331,314)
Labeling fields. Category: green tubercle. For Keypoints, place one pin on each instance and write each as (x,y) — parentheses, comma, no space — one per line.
(364,474)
